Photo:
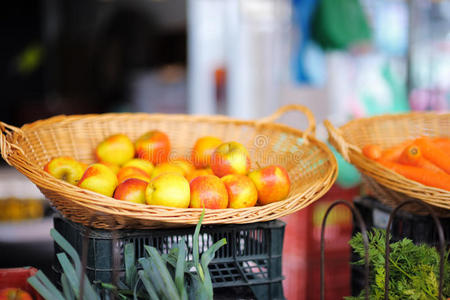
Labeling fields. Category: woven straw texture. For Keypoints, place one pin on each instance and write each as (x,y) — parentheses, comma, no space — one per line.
(310,164)
(387,131)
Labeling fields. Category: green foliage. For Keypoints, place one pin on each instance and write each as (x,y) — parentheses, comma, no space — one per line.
(156,276)
(70,278)
(169,276)
(414,269)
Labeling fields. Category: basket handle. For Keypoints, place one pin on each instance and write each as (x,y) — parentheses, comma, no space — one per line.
(311,130)
(7,133)
(335,137)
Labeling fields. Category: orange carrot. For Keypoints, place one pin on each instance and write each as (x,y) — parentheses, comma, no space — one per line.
(372,151)
(424,176)
(393,153)
(443,143)
(434,154)
(412,156)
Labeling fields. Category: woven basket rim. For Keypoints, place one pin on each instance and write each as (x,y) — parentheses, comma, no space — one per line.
(194,118)
(406,115)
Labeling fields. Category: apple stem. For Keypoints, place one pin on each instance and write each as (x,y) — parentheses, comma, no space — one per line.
(258,165)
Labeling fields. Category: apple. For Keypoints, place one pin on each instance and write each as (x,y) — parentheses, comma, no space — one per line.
(168,189)
(208,191)
(132,172)
(241,191)
(65,168)
(167,167)
(99,178)
(199,172)
(14,294)
(184,165)
(203,149)
(115,168)
(142,164)
(132,190)
(153,146)
(85,166)
(272,183)
(116,149)
(230,158)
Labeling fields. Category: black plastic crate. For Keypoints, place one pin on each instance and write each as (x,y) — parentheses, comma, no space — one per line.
(251,259)
(419,229)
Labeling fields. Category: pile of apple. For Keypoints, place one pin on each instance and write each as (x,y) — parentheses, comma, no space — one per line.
(216,175)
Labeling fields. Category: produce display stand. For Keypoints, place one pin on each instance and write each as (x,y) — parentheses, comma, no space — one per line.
(17,278)
(407,208)
(101,225)
(250,261)
(417,228)
(361,275)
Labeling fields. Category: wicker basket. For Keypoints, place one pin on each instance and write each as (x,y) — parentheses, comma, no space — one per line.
(387,131)
(310,164)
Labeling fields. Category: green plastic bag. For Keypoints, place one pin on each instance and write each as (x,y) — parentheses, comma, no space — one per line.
(337,24)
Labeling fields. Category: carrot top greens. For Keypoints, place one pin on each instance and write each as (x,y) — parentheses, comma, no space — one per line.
(414,269)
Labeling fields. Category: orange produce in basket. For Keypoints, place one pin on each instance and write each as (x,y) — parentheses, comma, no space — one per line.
(443,144)
(14,294)
(434,154)
(422,160)
(372,151)
(424,176)
(412,156)
(393,153)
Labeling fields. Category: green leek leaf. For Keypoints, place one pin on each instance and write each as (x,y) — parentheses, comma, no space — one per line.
(180,268)
(148,285)
(170,288)
(43,290)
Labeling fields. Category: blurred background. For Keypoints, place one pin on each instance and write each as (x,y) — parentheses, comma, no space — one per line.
(343,59)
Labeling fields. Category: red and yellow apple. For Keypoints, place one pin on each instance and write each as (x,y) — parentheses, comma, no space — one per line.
(184,165)
(230,158)
(168,189)
(241,191)
(85,166)
(132,172)
(153,146)
(65,168)
(202,151)
(142,164)
(100,179)
(115,168)
(116,149)
(14,294)
(208,191)
(167,167)
(272,183)
(199,172)
(132,190)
